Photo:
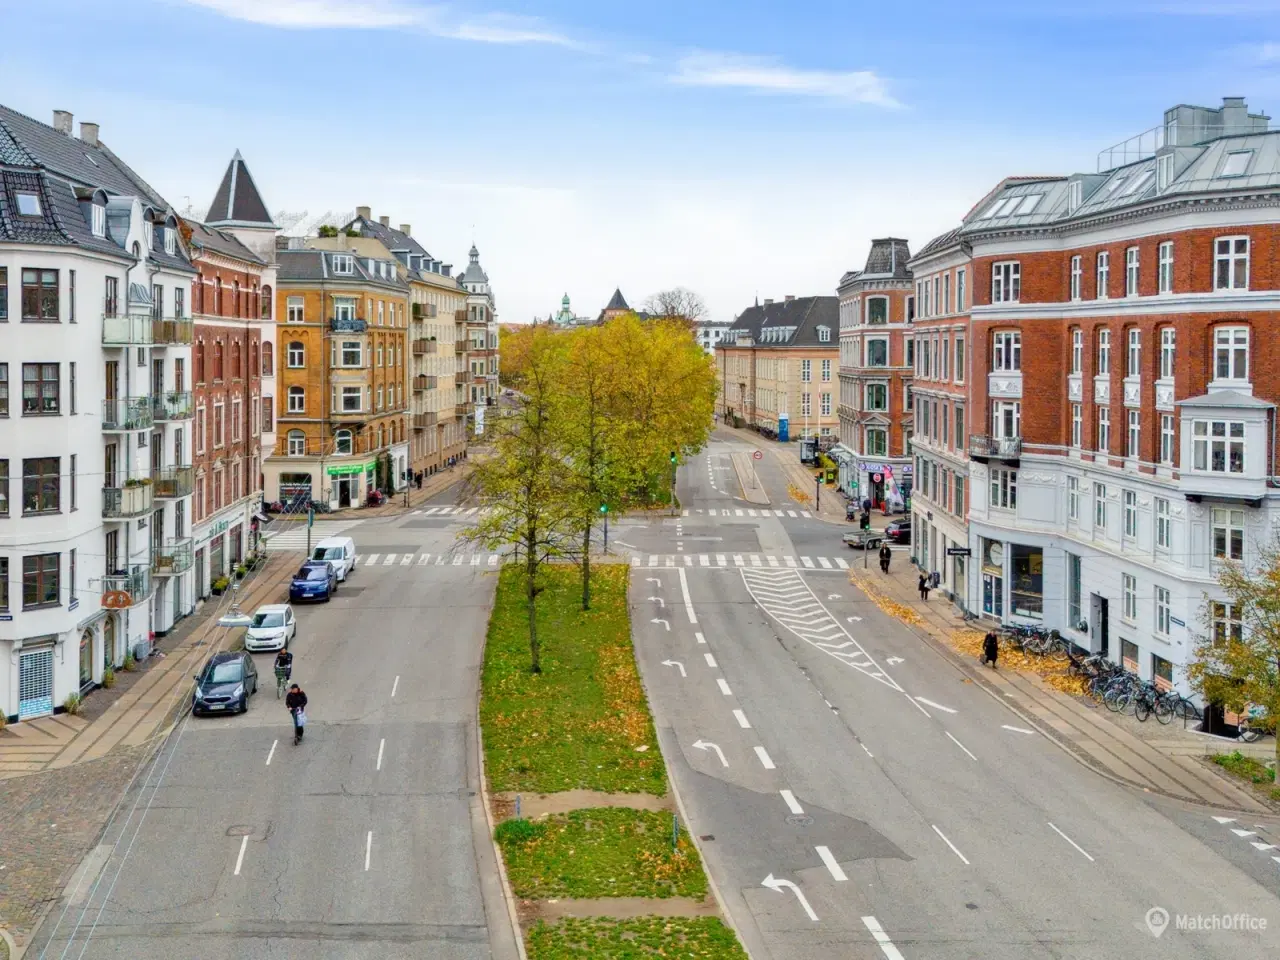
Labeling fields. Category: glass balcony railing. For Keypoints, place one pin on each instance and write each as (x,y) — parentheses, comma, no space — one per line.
(172,483)
(124,331)
(172,557)
(172,406)
(126,588)
(995,448)
(119,414)
(174,330)
(134,499)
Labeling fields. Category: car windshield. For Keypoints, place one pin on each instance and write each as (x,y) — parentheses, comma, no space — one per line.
(268,619)
(229,672)
(328,553)
(313,573)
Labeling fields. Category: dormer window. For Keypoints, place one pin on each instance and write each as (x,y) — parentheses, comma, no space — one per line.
(1075,195)
(824,334)
(342,264)
(28,204)
(98,219)
(148,234)
(170,241)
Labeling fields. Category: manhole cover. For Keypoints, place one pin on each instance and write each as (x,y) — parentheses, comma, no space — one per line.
(798,820)
(239,830)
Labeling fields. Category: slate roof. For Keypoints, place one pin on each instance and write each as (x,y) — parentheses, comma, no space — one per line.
(394,240)
(791,323)
(238,200)
(939,243)
(888,259)
(61,221)
(211,238)
(317,265)
(474,272)
(617,301)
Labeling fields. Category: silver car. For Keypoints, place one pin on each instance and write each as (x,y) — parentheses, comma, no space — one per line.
(274,627)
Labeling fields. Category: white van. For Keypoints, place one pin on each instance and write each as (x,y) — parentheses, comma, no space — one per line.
(340,552)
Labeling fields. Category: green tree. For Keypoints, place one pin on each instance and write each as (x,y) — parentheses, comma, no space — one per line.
(1236,662)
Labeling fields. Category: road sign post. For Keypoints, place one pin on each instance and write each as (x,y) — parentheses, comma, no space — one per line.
(311,519)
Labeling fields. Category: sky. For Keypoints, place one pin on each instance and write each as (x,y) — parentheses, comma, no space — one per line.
(739,148)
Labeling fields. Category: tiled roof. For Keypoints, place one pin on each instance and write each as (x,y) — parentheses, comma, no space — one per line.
(12,152)
(211,238)
(238,200)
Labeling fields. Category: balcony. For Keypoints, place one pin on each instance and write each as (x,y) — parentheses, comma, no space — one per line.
(173,483)
(124,503)
(119,414)
(348,325)
(128,587)
(459,347)
(172,557)
(1008,449)
(423,347)
(423,382)
(461,377)
(423,420)
(172,406)
(126,331)
(460,316)
(176,331)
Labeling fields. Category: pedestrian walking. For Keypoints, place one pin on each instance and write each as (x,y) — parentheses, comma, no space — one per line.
(885,554)
(924,586)
(990,648)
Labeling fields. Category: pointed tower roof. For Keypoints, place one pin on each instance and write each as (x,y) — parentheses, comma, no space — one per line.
(237,202)
(618,302)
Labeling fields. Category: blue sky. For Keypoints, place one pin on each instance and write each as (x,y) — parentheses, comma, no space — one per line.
(737,148)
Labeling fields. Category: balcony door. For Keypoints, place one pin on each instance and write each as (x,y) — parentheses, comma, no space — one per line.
(1006,419)
(111,463)
(113,379)
(178,438)
(113,551)
(157,377)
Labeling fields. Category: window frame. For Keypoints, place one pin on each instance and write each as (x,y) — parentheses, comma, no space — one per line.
(1224,520)
(1103,444)
(1077,277)
(1133,352)
(1230,343)
(1077,351)
(1006,281)
(1102,355)
(1165,267)
(45,388)
(1132,268)
(1168,352)
(1003,489)
(869,321)
(1099,507)
(1133,434)
(1073,498)
(296,443)
(44,566)
(1129,598)
(1207,445)
(346,391)
(41,302)
(1006,351)
(1168,439)
(298,394)
(1077,426)
(867,399)
(1129,515)
(1164,523)
(300,348)
(1232,259)
(45,486)
(1102,275)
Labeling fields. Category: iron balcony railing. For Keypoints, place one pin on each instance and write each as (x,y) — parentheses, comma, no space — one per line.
(348,325)
(172,557)
(459,347)
(132,413)
(461,376)
(173,483)
(1001,448)
(134,581)
(173,330)
(134,499)
(124,331)
(172,405)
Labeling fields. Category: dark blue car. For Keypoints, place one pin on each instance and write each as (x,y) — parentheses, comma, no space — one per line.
(313,581)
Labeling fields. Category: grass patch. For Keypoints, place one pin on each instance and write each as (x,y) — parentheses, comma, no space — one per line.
(578,724)
(1246,768)
(600,852)
(600,938)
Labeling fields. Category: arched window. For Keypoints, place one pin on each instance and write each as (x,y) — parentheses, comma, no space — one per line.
(297,400)
(217,295)
(235,360)
(382,436)
(266,302)
(217,360)
(197,294)
(342,443)
(199,359)
(268,361)
(297,443)
(235,292)
(297,354)
(253,358)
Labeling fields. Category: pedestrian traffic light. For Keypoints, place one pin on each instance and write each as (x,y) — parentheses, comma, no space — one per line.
(673,456)
(604,508)
(866,521)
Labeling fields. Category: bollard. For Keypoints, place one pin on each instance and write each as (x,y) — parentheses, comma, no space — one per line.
(517,806)
(675,833)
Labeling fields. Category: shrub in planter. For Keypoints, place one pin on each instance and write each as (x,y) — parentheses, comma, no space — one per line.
(129,661)
(73,703)
(241,571)
(109,678)
(220,585)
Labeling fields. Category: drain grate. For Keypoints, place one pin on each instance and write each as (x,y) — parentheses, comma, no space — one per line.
(798,820)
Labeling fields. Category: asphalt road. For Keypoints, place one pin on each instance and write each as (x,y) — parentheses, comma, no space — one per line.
(857,799)
(366,841)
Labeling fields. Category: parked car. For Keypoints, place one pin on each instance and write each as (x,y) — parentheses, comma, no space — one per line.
(899,531)
(273,628)
(864,539)
(339,551)
(225,684)
(315,580)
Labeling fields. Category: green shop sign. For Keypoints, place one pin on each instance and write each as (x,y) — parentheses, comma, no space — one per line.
(345,469)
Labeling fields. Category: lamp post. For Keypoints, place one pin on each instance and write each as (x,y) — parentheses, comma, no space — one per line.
(817,491)
(234,617)
(604,509)
(673,483)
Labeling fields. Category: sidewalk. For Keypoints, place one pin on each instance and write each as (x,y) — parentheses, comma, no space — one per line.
(146,707)
(786,456)
(1161,759)
(431,487)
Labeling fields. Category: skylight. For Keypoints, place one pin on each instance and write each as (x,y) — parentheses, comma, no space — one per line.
(28,204)
(1137,183)
(1115,185)
(1029,203)
(1236,163)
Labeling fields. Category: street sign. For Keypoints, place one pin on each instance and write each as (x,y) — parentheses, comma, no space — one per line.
(758,455)
(959,552)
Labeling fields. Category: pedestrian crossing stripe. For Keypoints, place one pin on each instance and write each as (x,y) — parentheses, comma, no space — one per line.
(745,561)
(429,559)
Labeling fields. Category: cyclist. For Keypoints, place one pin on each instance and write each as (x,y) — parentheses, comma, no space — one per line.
(284,667)
(295,702)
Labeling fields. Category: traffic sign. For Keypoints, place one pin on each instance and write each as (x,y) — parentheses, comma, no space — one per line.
(758,455)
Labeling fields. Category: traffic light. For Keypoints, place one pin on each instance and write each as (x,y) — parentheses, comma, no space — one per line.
(673,456)
(866,521)
(604,508)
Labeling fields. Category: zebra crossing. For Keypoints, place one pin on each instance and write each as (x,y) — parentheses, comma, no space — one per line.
(292,534)
(755,561)
(471,513)
(745,512)
(424,559)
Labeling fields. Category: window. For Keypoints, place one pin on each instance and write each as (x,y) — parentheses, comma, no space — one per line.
(237,421)
(1006,281)
(826,371)
(1077,272)
(170,241)
(40,580)
(1006,418)
(39,294)
(297,400)
(1233,165)
(71,385)
(40,387)
(877,310)
(1131,272)
(1074,592)
(1133,435)
(342,443)
(268,359)
(111,302)
(71,482)
(1104,429)
(28,204)
(1166,438)
(959,364)
(960,283)
(957,505)
(877,396)
(1073,498)
(1104,274)
(1164,169)
(1007,352)
(1129,591)
(351,399)
(1230,263)
(1228,534)
(1077,424)
(1077,350)
(1004,489)
(825,409)
(1104,352)
(806,404)
(4,488)
(148,233)
(1100,507)
(294,310)
(877,442)
(877,352)
(220,421)
(960,428)
(268,413)
(806,371)
(296,355)
(1166,267)
(352,353)
(4,389)
(1130,515)
(1228,623)
(379,397)
(1231,353)
(1133,367)
(297,443)
(1217,445)
(1168,344)
(342,264)
(824,334)
(946,423)
(1164,524)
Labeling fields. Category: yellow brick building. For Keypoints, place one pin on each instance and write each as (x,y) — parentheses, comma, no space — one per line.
(342,404)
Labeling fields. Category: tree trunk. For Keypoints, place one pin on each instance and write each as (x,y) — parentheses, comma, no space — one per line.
(586,568)
(531,572)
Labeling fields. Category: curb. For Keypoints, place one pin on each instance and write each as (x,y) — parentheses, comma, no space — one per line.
(11,948)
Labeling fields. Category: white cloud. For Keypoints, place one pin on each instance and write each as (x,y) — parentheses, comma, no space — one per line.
(769,76)
(501,28)
(1269,52)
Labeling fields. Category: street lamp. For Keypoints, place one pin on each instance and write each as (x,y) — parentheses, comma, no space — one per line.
(234,617)
(604,509)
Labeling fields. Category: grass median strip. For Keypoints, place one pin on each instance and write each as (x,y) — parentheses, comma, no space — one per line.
(600,852)
(1250,769)
(600,938)
(583,723)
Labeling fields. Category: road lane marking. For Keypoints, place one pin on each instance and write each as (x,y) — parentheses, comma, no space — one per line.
(395,685)
(912,701)
(368,849)
(791,513)
(743,722)
(862,745)
(1005,726)
(824,563)
(457,560)
(406,560)
(424,559)
(711,661)
(724,687)
(381,746)
(720,560)
(779,885)
(936,706)
(960,745)
(764,758)
(882,938)
(700,638)
(272,752)
(793,805)
(391,558)
(950,844)
(372,559)
(1072,842)
(832,866)
(804,513)
(773,561)
(688,601)
(704,560)
(807,562)
(244,842)
(737,560)
(789,561)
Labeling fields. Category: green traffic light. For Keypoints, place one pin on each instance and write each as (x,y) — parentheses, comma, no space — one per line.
(604,508)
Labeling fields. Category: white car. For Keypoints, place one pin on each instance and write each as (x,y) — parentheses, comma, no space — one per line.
(274,627)
(339,552)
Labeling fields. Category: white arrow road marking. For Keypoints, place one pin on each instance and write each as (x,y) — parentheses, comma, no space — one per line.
(1243,833)
(659,601)
(1225,819)
(833,596)
(244,842)
(882,938)
(894,661)
(936,706)
(741,717)
(684,590)
(832,866)
(653,580)
(665,623)
(854,619)
(765,760)
(675,663)
(949,844)
(1005,726)
(961,746)
(724,686)
(777,885)
(793,805)
(1070,841)
(706,745)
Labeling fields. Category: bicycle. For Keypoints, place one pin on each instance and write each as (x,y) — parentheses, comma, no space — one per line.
(282,681)
(1248,732)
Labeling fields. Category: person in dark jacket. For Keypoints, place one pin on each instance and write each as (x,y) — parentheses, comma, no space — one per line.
(885,554)
(990,648)
(924,586)
(296,702)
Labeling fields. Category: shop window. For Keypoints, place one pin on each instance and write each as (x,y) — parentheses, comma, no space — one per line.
(1026,593)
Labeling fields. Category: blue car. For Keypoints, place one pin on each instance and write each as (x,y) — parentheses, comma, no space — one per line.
(313,581)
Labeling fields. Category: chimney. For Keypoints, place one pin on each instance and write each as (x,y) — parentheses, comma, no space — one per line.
(366,212)
(768,302)
(88,133)
(385,221)
(788,298)
(62,121)
(1235,116)
(404,228)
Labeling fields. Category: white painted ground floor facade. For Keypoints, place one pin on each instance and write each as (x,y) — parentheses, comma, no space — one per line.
(221,542)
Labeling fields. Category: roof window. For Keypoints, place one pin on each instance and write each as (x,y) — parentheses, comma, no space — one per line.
(341,263)
(28,204)
(1029,203)
(1116,184)
(1137,183)
(1236,163)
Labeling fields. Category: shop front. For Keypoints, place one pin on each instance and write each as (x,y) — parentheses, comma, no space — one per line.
(886,483)
(351,483)
(1012,580)
(847,461)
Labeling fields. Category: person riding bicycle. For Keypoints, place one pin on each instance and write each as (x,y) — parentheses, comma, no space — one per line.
(284,664)
(295,702)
